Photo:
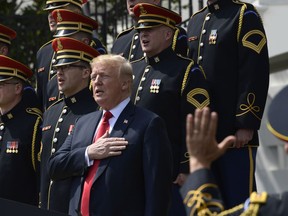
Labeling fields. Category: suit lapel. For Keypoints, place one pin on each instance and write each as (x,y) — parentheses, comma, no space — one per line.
(120,127)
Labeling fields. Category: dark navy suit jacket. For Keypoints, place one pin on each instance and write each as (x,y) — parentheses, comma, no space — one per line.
(135,183)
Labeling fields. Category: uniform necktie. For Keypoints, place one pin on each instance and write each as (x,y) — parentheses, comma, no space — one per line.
(104,126)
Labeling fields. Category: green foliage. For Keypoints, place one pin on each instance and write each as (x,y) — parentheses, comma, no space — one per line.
(30,23)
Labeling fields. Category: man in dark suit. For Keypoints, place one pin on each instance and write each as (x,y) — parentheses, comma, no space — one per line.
(134,174)
(201,193)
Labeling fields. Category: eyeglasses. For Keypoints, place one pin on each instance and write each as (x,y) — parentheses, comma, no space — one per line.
(67,67)
(8,83)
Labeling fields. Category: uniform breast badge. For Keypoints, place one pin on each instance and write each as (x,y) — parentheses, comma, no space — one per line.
(12,147)
(155,86)
(213,36)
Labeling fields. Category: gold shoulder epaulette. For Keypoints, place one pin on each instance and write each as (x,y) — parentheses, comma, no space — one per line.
(34,111)
(258,198)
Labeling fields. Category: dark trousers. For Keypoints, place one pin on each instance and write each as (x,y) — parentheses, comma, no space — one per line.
(177,206)
(235,174)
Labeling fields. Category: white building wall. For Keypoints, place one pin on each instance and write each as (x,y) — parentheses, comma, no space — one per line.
(272,162)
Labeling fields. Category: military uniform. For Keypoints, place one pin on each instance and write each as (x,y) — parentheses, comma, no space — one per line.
(201,196)
(60,117)
(44,71)
(227,39)
(128,44)
(58,123)
(20,137)
(169,85)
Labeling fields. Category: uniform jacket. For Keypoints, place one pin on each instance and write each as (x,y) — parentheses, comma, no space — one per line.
(135,183)
(20,137)
(47,86)
(59,120)
(44,71)
(170,86)
(128,44)
(228,40)
(201,196)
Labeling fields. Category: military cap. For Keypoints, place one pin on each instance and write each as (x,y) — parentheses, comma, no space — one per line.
(6,34)
(69,51)
(10,68)
(54,4)
(277,115)
(69,23)
(150,16)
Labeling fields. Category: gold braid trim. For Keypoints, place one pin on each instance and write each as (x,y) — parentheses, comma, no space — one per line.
(200,201)
(175,37)
(34,111)
(187,157)
(196,103)
(37,112)
(232,210)
(36,126)
(251,172)
(186,75)
(40,152)
(243,8)
(277,134)
(249,107)
(256,47)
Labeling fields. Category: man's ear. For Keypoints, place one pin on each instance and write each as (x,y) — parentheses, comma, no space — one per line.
(86,73)
(19,88)
(169,34)
(126,84)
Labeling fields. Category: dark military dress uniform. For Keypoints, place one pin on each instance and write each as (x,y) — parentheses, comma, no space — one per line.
(58,123)
(227,39)
(171,86)
(20,137)
(44,71)
(201,196)
(128,44)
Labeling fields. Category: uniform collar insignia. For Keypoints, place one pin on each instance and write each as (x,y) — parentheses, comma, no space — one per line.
(73,100)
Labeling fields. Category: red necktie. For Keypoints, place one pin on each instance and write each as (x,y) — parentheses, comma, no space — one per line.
(93,169)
